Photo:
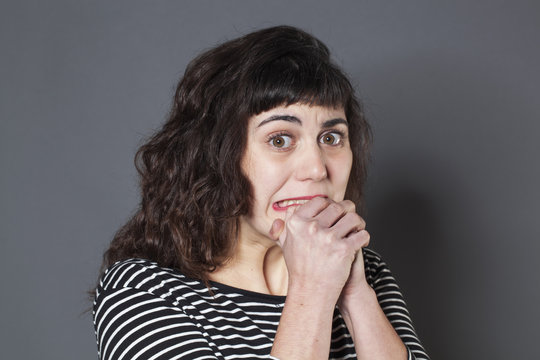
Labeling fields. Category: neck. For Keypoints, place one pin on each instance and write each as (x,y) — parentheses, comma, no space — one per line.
(257,265)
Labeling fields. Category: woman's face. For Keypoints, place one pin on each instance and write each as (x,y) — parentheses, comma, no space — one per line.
(293,154)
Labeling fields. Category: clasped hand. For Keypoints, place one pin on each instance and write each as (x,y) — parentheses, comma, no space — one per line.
(321,242)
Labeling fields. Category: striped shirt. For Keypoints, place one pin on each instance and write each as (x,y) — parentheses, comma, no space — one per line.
(143,311)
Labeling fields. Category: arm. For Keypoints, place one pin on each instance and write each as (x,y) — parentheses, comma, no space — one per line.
(376,315)
(305,327)
(373,335)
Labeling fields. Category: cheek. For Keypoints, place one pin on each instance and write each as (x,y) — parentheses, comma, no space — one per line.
(266,170)
(348,166)
(261,175)
(340,169)
(266,180)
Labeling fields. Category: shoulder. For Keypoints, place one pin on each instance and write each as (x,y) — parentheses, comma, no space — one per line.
(145,276)
(140,312)
(132,273)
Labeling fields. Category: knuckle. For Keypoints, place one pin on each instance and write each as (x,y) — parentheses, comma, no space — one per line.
(356,219)
(362,224)
(361,221)
(367,237)
(349,205)
(313,227)
(294,222)
(364,238)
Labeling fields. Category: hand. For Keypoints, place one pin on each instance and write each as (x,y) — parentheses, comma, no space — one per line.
(356,284)
(320,240)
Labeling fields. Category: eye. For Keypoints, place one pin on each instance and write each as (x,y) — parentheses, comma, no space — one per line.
(280,141)
(331,138)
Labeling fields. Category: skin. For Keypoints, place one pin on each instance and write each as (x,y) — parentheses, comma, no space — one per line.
(310,249)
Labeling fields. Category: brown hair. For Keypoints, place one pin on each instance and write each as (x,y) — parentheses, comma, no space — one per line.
(193,189)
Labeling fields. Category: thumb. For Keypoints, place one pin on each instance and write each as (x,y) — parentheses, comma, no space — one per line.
(276,229)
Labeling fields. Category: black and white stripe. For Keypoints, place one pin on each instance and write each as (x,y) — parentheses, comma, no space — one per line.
(143,311)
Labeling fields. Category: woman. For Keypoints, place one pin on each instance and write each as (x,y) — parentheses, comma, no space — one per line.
(243,245)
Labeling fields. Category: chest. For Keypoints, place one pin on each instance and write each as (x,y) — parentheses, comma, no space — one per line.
(241,327)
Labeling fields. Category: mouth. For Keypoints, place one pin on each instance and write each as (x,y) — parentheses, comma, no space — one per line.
(282,205)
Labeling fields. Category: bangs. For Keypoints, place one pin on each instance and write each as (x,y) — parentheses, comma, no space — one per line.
(297,79)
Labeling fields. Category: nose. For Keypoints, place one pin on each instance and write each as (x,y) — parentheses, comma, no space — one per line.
(311,164)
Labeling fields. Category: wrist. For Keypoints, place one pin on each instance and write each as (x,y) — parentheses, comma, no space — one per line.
(312,295)
(372,333)
(362,298)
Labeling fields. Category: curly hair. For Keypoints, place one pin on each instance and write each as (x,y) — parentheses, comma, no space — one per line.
(192,186)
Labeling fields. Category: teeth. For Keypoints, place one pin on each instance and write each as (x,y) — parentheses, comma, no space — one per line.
(292,202)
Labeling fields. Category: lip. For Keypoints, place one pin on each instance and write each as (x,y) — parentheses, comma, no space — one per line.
(276,206)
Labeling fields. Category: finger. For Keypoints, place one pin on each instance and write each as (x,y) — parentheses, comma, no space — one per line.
(276,229)
(358,239)
(348,224)
(348,205)
(291,210)
(358,264)
(312,208)
(332,214)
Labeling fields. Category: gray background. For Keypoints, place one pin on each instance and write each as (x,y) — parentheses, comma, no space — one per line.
(452,92)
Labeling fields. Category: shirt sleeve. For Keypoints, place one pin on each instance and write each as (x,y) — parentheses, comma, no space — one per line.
(134,324)
(392,303)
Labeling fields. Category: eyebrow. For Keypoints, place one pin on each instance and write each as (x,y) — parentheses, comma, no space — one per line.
(334,122)
(288,118)
(293,119)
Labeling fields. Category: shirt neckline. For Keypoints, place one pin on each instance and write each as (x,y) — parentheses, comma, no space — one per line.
(227,289)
